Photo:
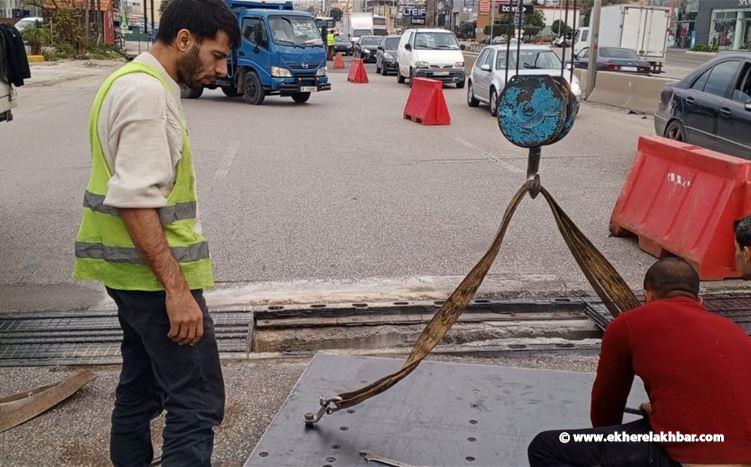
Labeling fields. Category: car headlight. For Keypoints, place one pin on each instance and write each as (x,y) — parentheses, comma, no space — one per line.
(576,88)
(322,71)
(388,56)
(422,65)
(279,72)
(459,65)
(366,51)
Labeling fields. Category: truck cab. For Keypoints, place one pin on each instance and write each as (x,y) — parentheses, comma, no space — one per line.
(281,53)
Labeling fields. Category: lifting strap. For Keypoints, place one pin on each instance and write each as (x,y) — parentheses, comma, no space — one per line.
(607,283)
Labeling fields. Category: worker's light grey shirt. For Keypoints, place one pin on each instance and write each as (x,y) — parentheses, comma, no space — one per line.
(140,131)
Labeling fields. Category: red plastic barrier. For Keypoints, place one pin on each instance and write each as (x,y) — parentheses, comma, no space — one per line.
(426,104)
(357,73)
(682,200)
(339,61)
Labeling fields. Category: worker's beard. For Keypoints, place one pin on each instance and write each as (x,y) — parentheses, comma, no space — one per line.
(189,69)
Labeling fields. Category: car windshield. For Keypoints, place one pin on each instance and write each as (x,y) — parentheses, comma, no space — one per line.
(370,40)
(361,32)
(341,40)
(530,60)
(294,30)
(392,43)
(625,54)
(436,41)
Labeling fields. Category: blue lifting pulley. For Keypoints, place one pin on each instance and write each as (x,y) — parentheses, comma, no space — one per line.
(535,111)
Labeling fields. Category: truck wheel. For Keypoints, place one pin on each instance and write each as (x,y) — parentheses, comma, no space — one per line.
(252,90)
(230,91)
(301,97)
(190,93)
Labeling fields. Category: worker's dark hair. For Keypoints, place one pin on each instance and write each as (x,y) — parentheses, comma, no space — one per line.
(203,18)
(742,229)
(672,277)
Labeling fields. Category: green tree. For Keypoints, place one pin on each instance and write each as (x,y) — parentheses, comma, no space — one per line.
(336,13)
(559,28)
(36,37)
(536,18)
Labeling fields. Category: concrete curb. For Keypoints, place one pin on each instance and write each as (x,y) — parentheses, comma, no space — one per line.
(705,54)
(633,92)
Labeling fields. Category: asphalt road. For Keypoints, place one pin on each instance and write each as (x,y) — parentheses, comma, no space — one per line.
(339,192)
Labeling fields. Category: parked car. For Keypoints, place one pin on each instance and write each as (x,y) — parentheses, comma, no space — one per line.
(386,55)
(711,107)
(614,59)
(563,40)
(488,76)
(498,40)
(29,22)
(343,45)
(430,53)
(367,47)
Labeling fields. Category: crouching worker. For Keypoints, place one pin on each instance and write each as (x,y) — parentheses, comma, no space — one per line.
(696,368)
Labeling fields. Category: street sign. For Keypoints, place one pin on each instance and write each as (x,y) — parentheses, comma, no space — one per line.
(515,8)
(415,12)
(417,21)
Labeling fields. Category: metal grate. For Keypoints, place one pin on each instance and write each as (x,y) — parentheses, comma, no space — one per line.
(78,338)
(736,307)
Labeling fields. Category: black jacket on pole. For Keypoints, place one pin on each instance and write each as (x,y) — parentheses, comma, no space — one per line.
(14,65)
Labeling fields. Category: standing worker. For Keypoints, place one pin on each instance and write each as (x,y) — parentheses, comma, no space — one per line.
(330,43)
(141,238)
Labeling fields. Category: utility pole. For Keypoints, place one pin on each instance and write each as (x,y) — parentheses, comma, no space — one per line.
(594,23)
(492,19)
(430,13)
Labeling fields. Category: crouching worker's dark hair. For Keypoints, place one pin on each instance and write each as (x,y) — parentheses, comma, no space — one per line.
(672,277)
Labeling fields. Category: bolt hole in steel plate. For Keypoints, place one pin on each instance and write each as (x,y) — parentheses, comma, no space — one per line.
(534,110)
(419,421)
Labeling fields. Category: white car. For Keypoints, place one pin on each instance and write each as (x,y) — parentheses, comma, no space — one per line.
(488,76)
(28,22)
(430,53)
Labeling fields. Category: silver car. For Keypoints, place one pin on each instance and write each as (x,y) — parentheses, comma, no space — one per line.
(488,77)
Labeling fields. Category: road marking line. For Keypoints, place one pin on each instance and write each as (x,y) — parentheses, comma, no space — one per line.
(226,162)
(490,157)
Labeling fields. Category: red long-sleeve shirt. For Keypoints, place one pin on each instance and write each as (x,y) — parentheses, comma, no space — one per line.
(696,368)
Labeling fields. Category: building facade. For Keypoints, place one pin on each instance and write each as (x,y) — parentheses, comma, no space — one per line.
(725,24)
(18,9)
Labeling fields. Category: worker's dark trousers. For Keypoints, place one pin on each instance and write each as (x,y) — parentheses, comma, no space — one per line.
(548,450)
(159,374)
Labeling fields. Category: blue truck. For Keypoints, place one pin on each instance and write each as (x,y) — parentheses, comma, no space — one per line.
(281,53)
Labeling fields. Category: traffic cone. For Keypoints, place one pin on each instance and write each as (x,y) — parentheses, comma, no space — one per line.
(357,73)
(339,61)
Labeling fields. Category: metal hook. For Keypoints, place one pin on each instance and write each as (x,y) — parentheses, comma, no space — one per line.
(328,406)
(533,167)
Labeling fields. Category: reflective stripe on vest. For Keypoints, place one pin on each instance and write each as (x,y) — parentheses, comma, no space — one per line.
(104,250)
(167,214)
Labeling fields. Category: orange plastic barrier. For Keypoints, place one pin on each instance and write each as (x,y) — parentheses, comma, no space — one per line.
(357,73)
(426,104)
(682,200)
